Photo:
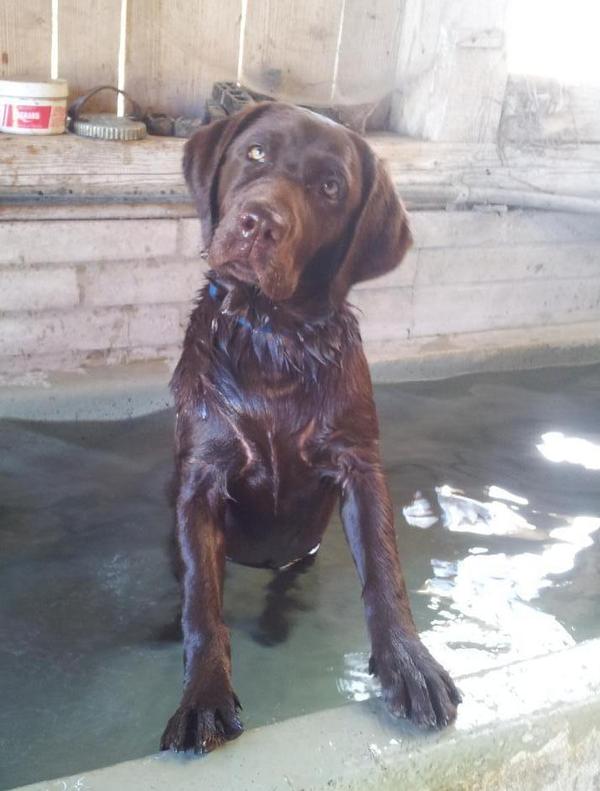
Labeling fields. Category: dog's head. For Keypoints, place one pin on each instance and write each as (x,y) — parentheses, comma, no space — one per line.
(293,203)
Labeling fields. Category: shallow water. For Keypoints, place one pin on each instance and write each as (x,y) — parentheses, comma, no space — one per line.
(497,477)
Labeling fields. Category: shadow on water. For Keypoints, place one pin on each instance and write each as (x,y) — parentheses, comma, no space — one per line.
(495,483)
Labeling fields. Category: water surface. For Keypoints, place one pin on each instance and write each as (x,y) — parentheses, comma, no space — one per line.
(495,480)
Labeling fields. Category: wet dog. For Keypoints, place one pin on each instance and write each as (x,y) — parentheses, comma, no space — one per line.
(275,414)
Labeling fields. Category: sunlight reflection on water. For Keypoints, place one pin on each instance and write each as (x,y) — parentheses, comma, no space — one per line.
(572,450)
(485,606)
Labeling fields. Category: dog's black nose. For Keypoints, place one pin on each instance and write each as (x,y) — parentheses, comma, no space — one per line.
(261,224)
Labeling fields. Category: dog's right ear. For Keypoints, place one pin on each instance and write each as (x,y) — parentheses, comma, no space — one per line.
(203,156)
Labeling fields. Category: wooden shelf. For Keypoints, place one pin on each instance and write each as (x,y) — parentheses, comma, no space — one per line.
(67,176)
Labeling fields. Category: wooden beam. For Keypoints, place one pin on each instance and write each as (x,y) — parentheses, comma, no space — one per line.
(428,175)
(451,73)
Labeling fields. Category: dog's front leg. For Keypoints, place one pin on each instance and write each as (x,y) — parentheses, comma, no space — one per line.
(207,715)
(414,685)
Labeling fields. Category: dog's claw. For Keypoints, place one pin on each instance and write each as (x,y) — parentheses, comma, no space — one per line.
(415,686)
(202,728)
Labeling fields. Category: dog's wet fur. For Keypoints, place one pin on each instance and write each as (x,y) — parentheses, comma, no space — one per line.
(276,421)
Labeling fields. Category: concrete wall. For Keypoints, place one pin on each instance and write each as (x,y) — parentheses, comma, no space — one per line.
(91,292)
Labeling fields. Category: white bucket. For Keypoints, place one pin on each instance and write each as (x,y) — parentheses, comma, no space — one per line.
(33,108)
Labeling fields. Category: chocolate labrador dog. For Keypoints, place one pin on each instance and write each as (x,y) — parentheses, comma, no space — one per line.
(275,414)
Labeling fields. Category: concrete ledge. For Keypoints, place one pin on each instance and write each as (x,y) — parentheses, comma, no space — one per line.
(527,726)
(113,392)
(442,356)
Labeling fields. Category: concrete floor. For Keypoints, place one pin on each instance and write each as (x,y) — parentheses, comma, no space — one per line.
(500,546)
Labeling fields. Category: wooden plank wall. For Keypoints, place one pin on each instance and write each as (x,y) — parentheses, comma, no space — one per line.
(314,52)
(341,51)
(369,41)
(88,48)
(445,62)
(176,49)
(451,70)
(25,38)
(279,61)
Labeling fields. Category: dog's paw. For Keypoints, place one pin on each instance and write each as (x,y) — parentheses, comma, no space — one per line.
(414,685)
(203,722)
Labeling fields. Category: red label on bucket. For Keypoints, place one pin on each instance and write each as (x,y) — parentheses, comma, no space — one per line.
(32,117)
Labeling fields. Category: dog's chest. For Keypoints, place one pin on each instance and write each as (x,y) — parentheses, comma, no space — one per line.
(276,436)
(277,432)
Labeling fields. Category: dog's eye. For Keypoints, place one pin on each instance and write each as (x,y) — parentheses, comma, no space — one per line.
(331,189)
(256,153)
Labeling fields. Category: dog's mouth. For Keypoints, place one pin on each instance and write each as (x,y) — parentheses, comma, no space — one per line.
(235,263)
(269,274)
(237,268)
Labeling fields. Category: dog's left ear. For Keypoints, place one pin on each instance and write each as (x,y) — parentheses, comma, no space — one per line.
(381,235)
